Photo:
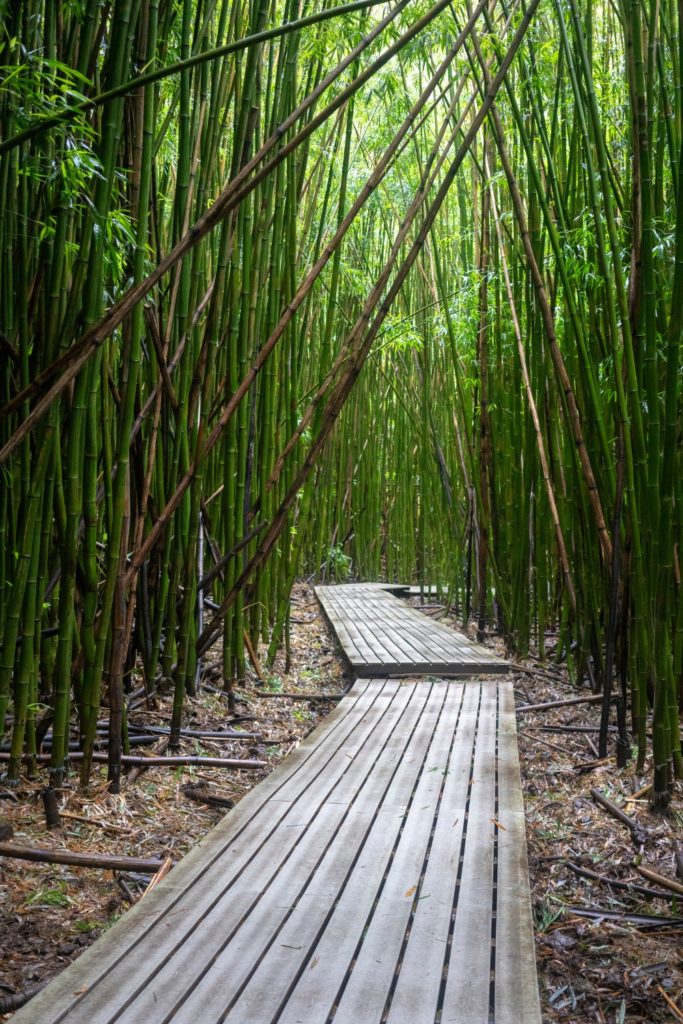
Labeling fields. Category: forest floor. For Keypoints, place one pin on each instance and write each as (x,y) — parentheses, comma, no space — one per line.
(609,967)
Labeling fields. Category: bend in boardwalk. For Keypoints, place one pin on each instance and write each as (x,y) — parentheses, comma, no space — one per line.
(379,874)
(382,635)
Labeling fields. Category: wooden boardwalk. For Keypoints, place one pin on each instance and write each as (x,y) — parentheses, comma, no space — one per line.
(382,635)
(379,874)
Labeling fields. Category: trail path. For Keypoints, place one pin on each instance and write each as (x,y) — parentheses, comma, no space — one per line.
(379,874)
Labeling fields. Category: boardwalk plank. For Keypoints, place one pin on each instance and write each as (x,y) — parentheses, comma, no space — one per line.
(257,920)
(289,949)
(466,995)
(317,990)
(515,965)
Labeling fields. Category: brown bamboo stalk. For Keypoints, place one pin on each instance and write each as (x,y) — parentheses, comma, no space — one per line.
(654,876)
(84,860)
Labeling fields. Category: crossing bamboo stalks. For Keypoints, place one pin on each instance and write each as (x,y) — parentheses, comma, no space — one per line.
(298,275)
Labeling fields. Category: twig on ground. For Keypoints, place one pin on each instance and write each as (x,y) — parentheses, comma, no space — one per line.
(670,1003)
(161,873)
(548,705)
(638,834)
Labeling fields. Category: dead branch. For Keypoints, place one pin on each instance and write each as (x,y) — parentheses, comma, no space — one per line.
(654,876)
(202,734)
(638,834)
(148,865)
(645,922)
(569,702)
(670,1003)
(152,761)
(161,873)
(299,696)
(253,657)
(201,795)
(617,883)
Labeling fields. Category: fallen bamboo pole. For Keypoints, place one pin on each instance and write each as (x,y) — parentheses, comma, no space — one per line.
(654,876)
(569,702)
(298,696)
(202,734)
(617,883)
(637,832)
(146,865)
(151,762)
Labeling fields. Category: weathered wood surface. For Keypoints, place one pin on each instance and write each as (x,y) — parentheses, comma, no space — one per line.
(382,635)
(379,874)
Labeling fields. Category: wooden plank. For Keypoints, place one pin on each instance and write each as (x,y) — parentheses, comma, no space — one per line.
(468,964)
(516,992)
(67,992)
(95,962)
(426,642)
(398,646)
(316,990)
(429,589)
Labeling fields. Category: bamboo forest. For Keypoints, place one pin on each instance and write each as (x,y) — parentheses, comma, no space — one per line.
(301,295)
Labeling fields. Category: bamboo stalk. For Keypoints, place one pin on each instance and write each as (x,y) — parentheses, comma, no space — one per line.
(149,865)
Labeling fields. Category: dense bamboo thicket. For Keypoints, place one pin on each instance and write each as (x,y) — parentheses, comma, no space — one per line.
(390,289)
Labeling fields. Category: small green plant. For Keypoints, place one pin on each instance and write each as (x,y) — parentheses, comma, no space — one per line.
(86,926)
(273,683)
(337,564)
(56,896)
(545,916)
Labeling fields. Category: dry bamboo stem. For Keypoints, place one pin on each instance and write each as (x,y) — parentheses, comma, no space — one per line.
(654,876)
(569,702)
(84,860)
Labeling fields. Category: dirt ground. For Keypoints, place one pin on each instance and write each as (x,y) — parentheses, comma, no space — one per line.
(599,960)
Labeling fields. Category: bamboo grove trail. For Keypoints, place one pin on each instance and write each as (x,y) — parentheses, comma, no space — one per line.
(379,874)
